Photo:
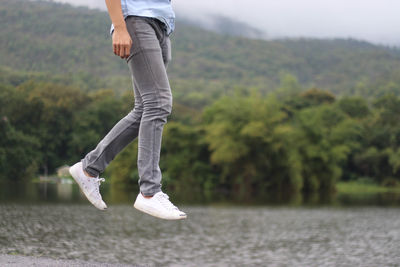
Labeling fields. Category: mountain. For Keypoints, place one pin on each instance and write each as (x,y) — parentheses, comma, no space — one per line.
(225,26)
(60,43)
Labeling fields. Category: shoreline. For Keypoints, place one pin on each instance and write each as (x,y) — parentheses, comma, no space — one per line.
(356,187)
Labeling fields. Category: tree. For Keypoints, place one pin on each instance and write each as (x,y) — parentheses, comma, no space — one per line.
(252,145)
(19,155)
(327,139)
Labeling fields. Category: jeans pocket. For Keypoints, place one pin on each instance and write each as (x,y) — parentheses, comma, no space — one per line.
(143,35)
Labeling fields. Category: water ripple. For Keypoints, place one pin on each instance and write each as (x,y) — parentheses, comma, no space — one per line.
(211,236)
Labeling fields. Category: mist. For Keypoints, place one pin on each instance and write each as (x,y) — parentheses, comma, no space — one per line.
(376,21)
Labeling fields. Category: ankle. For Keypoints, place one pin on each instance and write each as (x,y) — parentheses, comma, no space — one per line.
(146,196)
(87,174)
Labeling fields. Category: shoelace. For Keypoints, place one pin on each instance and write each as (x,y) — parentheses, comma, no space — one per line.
(99,181)
(164,199)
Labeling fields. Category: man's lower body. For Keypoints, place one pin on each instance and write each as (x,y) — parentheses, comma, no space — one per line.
(148,60)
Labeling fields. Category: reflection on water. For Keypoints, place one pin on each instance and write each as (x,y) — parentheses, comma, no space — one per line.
(70,193)
(59,193)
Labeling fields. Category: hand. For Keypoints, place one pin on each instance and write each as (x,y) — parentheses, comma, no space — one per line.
(122,42)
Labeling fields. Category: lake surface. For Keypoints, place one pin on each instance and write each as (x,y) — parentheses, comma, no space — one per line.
(65,226)
(69,193)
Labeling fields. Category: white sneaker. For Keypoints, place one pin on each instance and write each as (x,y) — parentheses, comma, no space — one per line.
(159,206)
(89,186)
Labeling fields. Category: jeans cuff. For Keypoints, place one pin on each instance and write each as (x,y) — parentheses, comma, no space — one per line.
(89,170)
(150,193)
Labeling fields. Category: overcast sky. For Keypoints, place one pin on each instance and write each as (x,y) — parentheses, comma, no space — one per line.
(376,21)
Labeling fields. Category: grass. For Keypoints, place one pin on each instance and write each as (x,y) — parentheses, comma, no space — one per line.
(364,188)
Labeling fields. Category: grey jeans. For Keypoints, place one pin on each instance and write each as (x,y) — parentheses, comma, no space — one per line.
(148,60)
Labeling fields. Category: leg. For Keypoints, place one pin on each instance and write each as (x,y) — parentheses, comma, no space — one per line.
(125,131)
(149,73)
(148,63)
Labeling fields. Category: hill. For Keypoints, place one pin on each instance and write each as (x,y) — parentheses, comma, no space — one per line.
(224,25)
(58,42)
(242,145)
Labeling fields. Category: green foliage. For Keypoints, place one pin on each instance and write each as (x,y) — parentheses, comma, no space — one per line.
(243,123)
(63,121)
(185,158)
(251,144)
(328,137)
(72,46)
(123,169)
(380,141)
(19,155)
(356,187)
(94,119)
(355,107)
(246,145)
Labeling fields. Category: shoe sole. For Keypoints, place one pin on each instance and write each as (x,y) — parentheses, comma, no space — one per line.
(71,171)
(150,212)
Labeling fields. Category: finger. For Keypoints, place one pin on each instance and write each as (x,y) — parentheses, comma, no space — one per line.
(115,48)
(122,51)
(127,51)
(118,50)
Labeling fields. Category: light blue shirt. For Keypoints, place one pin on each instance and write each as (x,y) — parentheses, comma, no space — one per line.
(159,9)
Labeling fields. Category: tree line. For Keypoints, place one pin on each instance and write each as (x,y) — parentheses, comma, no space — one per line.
(245,143)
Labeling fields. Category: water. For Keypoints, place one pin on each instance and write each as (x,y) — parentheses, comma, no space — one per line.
(70,193)
(68,228)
